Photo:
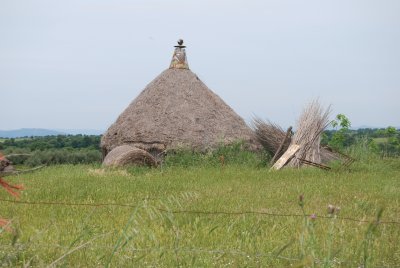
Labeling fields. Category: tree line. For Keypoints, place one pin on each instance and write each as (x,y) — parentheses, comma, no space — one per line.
(81,149)
(48,150)
(382,141)
(53,142)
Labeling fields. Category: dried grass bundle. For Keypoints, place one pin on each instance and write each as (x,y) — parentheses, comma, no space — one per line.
(127,155)
(312,122)
(270,135)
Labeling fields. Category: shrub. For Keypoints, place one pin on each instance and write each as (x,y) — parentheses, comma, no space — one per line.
(63,156)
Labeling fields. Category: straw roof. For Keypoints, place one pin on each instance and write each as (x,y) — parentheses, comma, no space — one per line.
(177,110)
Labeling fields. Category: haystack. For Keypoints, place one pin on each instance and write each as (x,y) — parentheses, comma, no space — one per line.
(177,110)
(128,155)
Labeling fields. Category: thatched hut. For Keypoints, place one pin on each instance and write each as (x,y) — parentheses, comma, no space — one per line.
(177,110)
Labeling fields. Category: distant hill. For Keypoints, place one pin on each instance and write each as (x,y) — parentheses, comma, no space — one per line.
(27,132)
(38,132)
(81,131)
(371,127)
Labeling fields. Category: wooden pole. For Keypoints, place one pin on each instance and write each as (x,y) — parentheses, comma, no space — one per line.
(288,132)
(282,161)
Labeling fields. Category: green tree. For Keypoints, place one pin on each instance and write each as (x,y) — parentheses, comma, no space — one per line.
(391,146)
(339,137)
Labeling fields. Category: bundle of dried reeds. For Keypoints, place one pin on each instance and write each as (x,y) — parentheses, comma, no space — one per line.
(312,122)
(127,155)
(270,135)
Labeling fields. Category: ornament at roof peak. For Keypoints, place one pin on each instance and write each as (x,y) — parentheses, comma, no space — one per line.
(179,60)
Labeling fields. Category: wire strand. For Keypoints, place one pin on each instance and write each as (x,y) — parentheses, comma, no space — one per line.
(198,212)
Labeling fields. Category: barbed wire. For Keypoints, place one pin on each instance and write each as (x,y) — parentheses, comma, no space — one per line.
(198,212)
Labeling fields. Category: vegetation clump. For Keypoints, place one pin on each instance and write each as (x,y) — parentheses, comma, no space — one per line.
(53,150)
(80,149)
(209,213)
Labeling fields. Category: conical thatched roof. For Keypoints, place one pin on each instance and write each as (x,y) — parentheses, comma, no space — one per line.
(177,110)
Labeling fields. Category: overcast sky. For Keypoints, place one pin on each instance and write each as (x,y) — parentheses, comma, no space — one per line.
(78,64)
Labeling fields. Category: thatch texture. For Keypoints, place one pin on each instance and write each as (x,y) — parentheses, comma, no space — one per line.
(177,110)
(271,136)
(312,122)
(127,155)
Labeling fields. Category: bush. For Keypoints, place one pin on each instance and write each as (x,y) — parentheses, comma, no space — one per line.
(50,150)
(63,156)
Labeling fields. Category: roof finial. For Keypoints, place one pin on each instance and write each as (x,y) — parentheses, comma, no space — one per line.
(180,43)
(179,60)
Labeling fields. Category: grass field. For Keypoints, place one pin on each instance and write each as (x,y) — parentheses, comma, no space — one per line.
(381,140)
(203,216)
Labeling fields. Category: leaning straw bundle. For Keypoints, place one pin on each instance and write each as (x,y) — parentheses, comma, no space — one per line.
(270,135)
(312,122)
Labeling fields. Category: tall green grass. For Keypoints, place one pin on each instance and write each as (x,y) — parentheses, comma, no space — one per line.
(235,153)
(196,211)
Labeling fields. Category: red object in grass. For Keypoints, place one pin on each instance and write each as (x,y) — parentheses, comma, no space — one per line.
(5,224)
(12,189)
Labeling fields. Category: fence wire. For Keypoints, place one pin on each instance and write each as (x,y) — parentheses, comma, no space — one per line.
(198,212)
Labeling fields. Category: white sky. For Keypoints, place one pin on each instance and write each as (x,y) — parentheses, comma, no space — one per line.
(79,63)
